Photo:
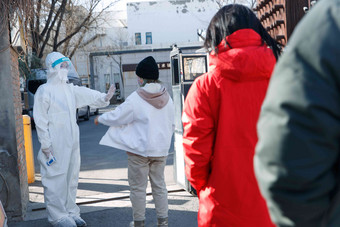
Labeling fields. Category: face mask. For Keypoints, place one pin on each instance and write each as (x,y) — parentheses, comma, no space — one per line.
(140,82)
(62,75)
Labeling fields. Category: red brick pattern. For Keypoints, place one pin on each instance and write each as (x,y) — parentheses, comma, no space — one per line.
(272,14)
(19,129)
(280,17)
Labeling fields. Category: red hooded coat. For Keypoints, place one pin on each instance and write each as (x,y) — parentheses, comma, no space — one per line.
(219,120)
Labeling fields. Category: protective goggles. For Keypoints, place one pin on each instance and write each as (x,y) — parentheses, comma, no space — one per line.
(64,63)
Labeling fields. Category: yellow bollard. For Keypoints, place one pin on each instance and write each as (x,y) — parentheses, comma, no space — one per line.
(29,148)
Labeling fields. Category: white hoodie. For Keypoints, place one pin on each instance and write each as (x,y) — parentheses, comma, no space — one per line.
(143,124)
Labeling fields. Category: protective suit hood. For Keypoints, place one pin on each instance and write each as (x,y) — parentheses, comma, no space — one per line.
(59,68)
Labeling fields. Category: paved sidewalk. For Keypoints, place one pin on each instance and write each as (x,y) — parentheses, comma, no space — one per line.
(103,190)
(182,212)
(109,203)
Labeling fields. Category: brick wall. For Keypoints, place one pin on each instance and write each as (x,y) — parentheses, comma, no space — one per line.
(19,130)
(272,14)
(12,155)
(280,17)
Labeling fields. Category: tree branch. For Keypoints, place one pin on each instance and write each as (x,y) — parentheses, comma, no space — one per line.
(37,15)
(49,18)
(41,52)
(35,27)
(62,7)
(76,30)
(77,44)
(87,21)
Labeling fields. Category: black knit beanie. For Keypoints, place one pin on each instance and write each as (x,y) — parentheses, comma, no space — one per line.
(147,69)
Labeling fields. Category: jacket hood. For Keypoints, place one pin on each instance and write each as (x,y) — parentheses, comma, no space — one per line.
(245,58)
(154,94)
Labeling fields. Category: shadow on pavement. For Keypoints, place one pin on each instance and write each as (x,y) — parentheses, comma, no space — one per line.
(102,188)
(121,217)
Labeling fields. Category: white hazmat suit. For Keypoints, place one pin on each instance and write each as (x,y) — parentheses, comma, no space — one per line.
(54,112)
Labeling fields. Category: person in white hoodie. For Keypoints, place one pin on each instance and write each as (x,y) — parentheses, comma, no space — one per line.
(143,126)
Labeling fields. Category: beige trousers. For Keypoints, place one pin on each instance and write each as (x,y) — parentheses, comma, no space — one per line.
(139,168)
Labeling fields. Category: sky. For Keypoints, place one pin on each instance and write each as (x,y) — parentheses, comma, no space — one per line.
(120,5)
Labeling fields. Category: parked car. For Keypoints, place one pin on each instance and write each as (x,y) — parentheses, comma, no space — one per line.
(32,87)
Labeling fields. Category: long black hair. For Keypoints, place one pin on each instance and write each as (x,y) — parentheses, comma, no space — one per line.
(231,18)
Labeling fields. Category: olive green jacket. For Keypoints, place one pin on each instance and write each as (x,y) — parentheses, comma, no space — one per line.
(298,152)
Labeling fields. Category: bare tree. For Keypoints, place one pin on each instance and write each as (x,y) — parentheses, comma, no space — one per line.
(250,3)
(14,19)
(13,12)
(118,44)
(221,3)
(58,23)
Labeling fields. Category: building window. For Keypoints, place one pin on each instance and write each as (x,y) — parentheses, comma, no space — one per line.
(148,37)
(138,38)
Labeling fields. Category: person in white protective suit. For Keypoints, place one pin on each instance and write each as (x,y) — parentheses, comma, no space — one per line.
(54,112)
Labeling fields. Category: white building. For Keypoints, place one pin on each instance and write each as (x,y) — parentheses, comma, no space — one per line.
(147,28)
(110,33)
(160,23)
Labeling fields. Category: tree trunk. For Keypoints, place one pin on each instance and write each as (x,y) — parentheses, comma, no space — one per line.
(62,11)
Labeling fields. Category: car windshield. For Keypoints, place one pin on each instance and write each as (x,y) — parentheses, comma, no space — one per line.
(32,85)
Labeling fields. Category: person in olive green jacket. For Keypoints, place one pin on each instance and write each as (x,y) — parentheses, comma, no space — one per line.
(297,161)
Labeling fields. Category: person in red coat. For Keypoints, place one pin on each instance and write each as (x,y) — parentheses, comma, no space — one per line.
(219,120)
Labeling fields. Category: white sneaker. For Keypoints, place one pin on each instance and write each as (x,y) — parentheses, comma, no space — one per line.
(65,222)
(79,221)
